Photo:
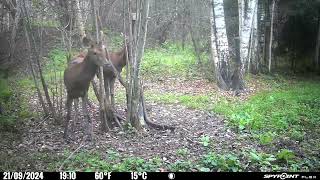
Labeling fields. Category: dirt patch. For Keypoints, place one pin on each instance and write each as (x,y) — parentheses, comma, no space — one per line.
(43,136)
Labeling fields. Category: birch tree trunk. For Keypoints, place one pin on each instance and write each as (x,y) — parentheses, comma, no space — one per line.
(266,21)
(214,49)
(252,39)
(271,36)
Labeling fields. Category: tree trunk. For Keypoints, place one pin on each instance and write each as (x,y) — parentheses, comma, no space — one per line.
(94,19)
(256,64)
(237,82)
(214,50)
(232,13)
(271,35)
(78,19)
(135,111)
(14,30)
(316,57)
(267,23)
(247,32)
(66,18)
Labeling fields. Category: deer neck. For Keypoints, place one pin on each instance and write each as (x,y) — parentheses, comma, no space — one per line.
(90,68)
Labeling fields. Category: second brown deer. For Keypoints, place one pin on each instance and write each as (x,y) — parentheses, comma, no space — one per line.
(119,60)
(77,77)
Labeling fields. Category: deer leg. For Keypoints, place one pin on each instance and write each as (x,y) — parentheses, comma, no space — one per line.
(112,92)
(87,117)
(76,119)
(68,106)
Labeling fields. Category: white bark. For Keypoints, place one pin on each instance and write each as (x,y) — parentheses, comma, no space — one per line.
(213,38)
(246,27)
(252,40)
(271,36)
(241,23)
(221,27)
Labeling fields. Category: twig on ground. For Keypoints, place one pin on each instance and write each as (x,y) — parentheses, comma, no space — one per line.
(70,156)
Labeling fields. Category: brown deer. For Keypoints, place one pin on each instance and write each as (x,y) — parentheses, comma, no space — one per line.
(77,78)
(119,60)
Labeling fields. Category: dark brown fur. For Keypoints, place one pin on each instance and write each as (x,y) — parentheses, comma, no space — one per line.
(77,78)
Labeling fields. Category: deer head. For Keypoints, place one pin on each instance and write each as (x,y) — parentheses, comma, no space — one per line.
(96,53)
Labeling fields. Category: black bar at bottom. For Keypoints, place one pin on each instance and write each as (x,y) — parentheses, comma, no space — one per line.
(159,175)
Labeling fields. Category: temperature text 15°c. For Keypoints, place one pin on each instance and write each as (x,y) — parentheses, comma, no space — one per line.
(137,175)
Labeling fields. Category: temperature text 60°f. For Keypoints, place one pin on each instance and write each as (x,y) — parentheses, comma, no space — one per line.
(102,175)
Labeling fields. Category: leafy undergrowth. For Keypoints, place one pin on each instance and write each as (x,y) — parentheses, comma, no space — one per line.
(284,118)
(248,160)
(291,110)
(12,105)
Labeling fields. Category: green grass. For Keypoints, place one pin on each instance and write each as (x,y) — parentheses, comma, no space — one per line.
(286,109)
(5,92)
(57,60)
(170,59)
(111,161)
(290,110)
(202,102)
(252,160)
(14,107)
(46,23)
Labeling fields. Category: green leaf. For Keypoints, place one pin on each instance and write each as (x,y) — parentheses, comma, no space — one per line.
(286,155)
(255,157)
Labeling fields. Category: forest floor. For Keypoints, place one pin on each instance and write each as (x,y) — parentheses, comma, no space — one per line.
(201,136)
(43,137)
(272,126)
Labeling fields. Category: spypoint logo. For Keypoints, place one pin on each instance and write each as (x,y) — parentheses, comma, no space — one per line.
(282,176)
